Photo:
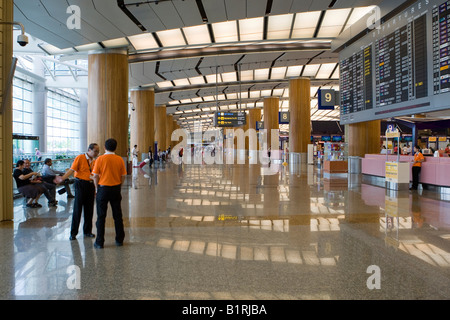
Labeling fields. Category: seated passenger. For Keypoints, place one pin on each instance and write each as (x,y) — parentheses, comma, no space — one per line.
(49,175)
(30,191)
(49,188)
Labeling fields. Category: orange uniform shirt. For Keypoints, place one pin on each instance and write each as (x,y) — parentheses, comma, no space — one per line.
(82,167)
(110,168)
(418,156)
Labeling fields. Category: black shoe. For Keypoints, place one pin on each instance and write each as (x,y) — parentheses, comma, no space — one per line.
(97,246)
(119,244)
(412,188)
(72,238)
(70,196)
(89,235)
(53,203)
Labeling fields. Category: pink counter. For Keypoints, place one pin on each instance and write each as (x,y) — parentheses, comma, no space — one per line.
(434,171)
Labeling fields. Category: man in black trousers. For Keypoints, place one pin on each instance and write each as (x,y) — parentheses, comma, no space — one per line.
(84,190)
(109,174)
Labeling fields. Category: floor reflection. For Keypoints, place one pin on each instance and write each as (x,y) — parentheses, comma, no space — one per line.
(229,231)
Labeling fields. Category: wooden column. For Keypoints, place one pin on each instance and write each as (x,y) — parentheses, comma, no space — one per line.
(300,115)
(271,108)
(160,127)
(169,130)
(108,99)
(6,118)
(245,128)
(254,115)
(142,122)
(363,138)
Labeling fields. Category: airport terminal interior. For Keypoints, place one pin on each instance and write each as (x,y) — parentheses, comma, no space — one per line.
(271,148)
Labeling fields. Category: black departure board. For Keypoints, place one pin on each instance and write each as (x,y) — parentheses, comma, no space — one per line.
(441,37)
(356,82)
(400,68)
(401,64)
(229,119)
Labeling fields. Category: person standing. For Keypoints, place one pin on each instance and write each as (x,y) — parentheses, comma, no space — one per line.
(417,167)
(150,155)
(84,191)
(37,154)
(109,174)
(134,155)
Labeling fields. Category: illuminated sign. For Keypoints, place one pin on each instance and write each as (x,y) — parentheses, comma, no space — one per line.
(229,119)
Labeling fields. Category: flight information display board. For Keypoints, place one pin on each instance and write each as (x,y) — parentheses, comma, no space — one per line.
(229,119)
(356,82)
(441,37)
(402,68)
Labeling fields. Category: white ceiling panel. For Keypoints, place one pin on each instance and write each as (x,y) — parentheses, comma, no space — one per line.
(92,17)
(168,14)
(281,6)
(179,64)
(38,14)
(147,17)
(165,66)
(136,71)
(255,8)
(39,32)
(116,17)
(344,4)
(301,5)
(215,10)
(188,11)
(149,71)
(235,9)
(57,10)
(258,57)
(319,5)
(175,75)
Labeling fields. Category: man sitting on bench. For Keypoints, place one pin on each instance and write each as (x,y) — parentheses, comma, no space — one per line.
(49,175)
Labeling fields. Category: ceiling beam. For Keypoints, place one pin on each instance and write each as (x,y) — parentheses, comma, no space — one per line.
(314,83)
(227,50)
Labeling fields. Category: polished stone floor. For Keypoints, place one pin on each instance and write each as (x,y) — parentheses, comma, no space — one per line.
(227,232)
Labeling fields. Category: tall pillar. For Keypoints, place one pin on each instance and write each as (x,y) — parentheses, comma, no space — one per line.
(169,130)
(83,120)
(160,127)
(300,119)
(271,108)
(108,99)
(39,105)
(142,119)
(254,115)
(363,138)
(245,129)
(6,159)
(175,126)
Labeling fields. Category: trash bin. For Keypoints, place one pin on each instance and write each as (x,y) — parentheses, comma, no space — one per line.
(354,165)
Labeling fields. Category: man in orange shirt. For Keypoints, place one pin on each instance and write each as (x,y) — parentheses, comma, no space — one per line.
(417,167)
(84,190)
(109,174)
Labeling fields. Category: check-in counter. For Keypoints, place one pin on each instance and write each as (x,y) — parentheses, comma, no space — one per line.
(435,171)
